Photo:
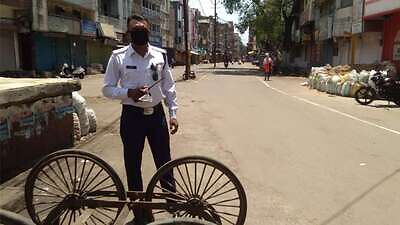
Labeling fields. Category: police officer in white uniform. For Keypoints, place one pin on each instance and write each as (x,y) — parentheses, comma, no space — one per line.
(140,77)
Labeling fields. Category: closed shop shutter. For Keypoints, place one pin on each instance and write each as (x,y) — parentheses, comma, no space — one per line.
(45,54)
(97,52)
(7,52)
(63,52)
(78,51)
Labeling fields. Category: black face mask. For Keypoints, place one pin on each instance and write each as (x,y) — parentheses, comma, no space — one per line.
(140,37)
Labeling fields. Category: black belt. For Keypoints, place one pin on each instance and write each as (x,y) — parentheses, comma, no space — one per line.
(144,111)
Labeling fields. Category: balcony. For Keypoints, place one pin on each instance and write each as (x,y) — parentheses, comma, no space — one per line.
(151,14)
(90,5)
(343,22)
(21,4)
(109,20)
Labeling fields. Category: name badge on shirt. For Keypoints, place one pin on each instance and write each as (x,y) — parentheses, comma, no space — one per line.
(131,67)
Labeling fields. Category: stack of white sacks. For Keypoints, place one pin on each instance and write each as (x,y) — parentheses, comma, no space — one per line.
(339,80)
(85,121)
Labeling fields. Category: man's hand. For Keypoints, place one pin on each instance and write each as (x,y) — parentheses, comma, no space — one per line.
(135,94)
(173,125)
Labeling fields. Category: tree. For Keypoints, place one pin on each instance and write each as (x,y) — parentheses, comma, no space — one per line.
(272,20)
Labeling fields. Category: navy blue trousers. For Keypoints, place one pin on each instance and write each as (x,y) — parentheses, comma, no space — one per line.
(134,128)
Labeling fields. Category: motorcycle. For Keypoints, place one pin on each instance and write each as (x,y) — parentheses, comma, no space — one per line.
(385,89)
(226,64)
(69,72)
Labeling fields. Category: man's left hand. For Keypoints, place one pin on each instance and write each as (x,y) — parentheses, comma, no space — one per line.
(173,125)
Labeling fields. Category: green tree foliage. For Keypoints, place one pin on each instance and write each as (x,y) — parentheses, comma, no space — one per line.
(269,24)
(270,19)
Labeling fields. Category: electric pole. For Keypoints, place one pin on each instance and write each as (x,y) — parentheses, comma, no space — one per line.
(186,31)
(215,34)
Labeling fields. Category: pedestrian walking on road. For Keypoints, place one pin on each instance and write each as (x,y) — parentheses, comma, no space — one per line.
(139,76)
(268,63)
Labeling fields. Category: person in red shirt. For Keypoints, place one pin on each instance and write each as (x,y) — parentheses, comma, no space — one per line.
(268,63)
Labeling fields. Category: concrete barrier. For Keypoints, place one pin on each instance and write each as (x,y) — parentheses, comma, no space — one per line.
(35,120)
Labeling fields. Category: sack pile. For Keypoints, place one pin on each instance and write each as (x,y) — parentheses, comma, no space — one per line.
(340,80)
(87,122)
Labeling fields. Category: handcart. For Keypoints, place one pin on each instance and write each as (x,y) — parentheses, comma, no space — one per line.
(76,187)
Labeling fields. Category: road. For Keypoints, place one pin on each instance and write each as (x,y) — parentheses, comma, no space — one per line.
(304,157)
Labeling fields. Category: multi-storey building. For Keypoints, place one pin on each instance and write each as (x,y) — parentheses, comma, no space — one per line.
(237,44)
(225,37)
(151,9)
(14,27)
(383,18)
(346,32)
(65,32)
(165,25)
(177,18)
(252,43)
(194,15)
(205,37)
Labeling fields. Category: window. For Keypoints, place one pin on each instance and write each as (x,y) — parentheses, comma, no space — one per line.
(76,14)
(346,3)
(109,8)
(58,10)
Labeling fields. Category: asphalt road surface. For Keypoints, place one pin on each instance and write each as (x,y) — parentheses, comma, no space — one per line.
(304,157)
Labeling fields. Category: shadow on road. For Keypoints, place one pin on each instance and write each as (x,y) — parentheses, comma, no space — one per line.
(359,198)
(385,106)
(238,72)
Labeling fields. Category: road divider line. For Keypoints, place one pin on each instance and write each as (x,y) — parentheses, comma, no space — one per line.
(331,109)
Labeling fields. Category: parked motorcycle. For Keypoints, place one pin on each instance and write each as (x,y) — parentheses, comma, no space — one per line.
(226,64)
(68,72)
(385,89)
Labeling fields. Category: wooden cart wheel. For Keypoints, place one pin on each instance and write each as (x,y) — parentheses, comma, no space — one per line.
(72,174)
(207,189)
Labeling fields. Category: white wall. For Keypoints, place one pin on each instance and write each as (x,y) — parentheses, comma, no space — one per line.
(344,54)
(373,7)
(368,48)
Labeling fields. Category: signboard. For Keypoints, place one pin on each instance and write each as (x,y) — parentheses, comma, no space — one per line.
(88,28)
(107,30)
(64,25)
(396,47)
(375,8)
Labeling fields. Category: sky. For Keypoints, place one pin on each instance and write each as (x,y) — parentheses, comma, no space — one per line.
(206,8)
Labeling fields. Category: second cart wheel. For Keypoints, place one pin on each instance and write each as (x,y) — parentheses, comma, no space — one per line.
(72,174)
(205,188)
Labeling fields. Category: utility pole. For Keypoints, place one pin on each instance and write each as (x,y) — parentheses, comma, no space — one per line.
(187,73)
(215,34)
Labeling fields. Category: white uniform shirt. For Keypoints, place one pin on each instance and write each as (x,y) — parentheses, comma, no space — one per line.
(127,69)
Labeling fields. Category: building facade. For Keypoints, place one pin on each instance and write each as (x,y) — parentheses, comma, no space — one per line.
(341,32)
(151,10)
(14,26)
(205,37)
(383,17)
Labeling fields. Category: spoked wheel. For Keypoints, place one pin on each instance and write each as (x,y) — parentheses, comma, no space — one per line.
(75,175)
(365,95)
(204,188)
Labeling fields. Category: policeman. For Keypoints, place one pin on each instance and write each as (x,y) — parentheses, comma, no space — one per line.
(140,77)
